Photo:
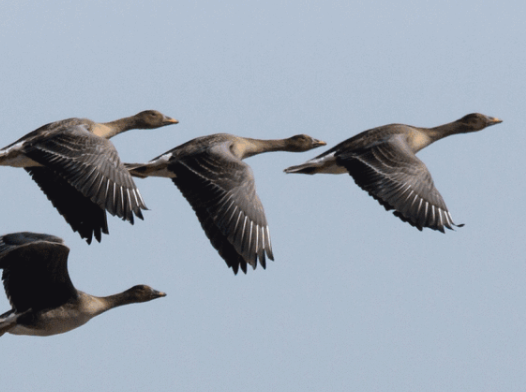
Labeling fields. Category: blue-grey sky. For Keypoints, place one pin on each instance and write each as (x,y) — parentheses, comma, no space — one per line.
(356,300)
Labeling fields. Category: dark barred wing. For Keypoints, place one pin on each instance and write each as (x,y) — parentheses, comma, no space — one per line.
(392,174)
(84,216)
(221,190)
(35,271)
(83,176)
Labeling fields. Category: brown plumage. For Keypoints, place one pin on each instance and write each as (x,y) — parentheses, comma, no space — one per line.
(79,170)
(43,299)
(220,187)
(382,162)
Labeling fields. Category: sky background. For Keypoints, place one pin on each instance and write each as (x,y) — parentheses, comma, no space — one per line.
(356,300)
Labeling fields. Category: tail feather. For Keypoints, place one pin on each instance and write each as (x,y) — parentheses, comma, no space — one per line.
(137,169)
(157,168)
(306,168)
(9,321)
(325,163)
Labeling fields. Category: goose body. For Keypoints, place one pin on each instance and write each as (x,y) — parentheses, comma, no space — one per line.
(79,170)
(43,299)
(210,173)
(382,162)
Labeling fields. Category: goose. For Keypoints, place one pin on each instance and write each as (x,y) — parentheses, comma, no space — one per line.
(210,173)
(79,170)
(382,162)
(43,299)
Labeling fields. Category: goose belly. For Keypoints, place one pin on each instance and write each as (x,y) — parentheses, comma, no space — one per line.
(50,323)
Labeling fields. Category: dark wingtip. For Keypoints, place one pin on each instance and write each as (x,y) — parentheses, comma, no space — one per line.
(98,235)
(243,267)
(234,266)
(138,214)
(262,259)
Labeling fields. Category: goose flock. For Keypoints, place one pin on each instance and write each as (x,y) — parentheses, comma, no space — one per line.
(78,168)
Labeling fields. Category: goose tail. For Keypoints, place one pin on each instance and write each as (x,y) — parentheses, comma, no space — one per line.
(137,169)
(305,168)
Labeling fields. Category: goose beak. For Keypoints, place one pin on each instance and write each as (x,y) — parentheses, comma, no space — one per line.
(494,120)
(319,143)
(169,120)
(157,294)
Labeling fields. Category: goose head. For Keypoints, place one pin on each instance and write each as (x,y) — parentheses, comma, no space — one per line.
(476,122)
(143,293)
(300,143)
(150,119)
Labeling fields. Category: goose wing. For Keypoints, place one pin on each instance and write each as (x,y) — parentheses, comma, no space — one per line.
(221,190)
(35,272)
(391,173)
(81,169)
(84,216)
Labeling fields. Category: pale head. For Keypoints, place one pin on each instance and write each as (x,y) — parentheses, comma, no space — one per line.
(150,119)
(300,143)
(476,121)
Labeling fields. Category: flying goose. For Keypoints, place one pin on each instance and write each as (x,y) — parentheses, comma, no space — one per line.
(382,162)
(79,170)
(220,187)
(43,299)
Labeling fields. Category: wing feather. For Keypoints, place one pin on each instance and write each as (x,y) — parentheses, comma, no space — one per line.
(90,166)
(35,272)
(392,174)
(221,190)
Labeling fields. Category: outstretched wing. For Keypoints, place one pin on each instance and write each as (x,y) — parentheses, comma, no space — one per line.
(78,165)
(221,190)
(391,173)
(84,216)
(35,271)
